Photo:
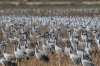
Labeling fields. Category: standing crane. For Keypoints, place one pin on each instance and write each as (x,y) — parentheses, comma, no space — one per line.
(7,56)
(59,51)
(40,56)
(29,51)
(19,54)
(86,62)
(75,58)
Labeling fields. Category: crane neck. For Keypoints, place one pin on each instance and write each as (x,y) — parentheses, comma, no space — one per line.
(19,45)
(36,49)
(25,44)
(15,47)
(70,51)
(4,49)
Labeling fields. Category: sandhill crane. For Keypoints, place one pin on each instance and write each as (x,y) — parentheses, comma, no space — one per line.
(29,51)
(51,44)
(81,53)
(59,51)
(89,49)
(75,43)
(5,34)
(7,56)
(45,46)
(19,54)
(67,51)
(86,62)
(40,56)
(2,61)
(75,58)
(5,62)
(7,59)
(67,48)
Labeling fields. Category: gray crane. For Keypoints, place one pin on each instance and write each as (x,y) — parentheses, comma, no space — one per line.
(7,59)
(81,53)
(59,51)
(29,51)
(5,62)
(86,62)
(19,54)
(7,56)
(45,46)
(75,58)
(41,56)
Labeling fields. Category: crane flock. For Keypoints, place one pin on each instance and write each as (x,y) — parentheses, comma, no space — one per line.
(76,37)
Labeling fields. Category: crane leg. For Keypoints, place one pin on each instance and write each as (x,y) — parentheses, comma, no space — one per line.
(18,63)
(59,60)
